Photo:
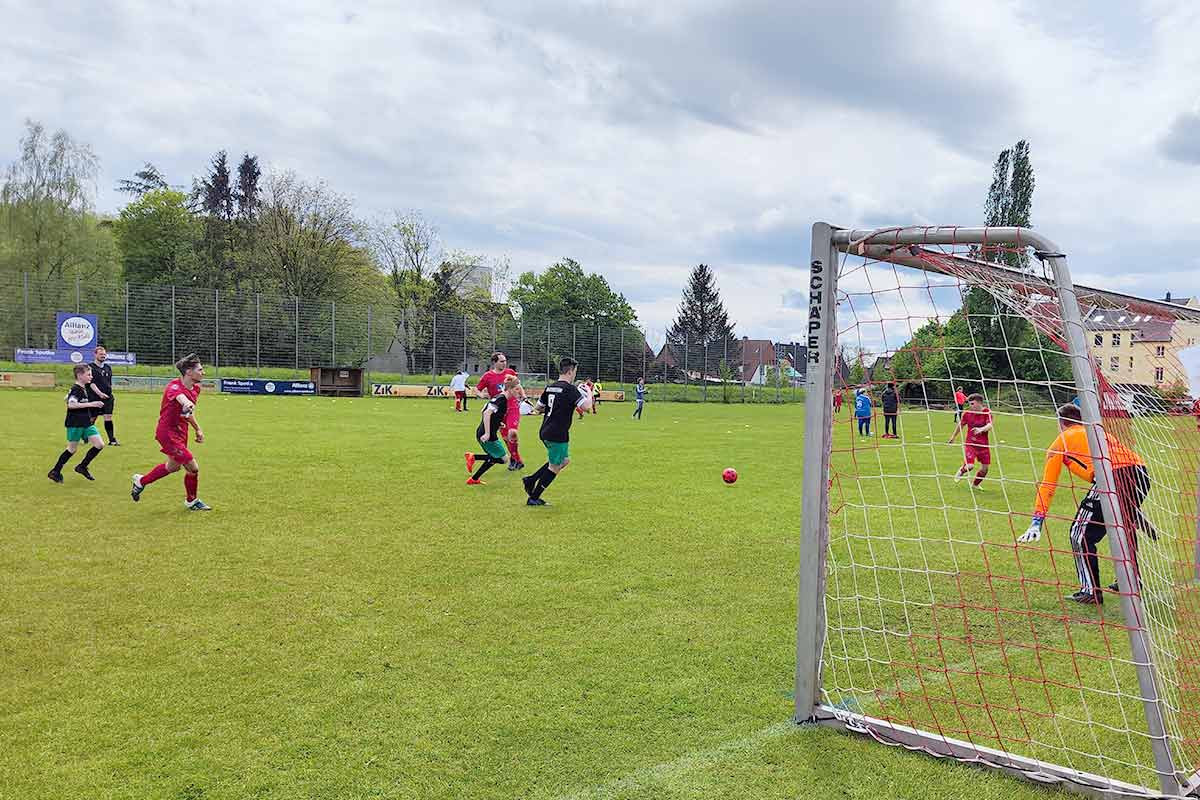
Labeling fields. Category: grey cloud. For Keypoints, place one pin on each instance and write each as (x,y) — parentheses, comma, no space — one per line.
(1182,140)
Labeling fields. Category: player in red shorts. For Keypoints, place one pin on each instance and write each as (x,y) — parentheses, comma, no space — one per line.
(176,414)
(492,384)
(977,419)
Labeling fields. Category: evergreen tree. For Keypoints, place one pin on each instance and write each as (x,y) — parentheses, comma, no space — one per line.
(702,333)
(216,201)
(146,179)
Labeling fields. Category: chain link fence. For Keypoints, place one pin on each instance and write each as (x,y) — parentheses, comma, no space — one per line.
(259,335)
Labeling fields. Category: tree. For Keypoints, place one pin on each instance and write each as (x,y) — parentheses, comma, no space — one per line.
(246,193)
(158,239)
(565,292)
(146,179)
(214,197)
(702,325)
(308,234)
(48,228)
(243,227)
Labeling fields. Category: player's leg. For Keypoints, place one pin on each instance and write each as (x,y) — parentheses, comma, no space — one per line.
(512,442)
(177,455)
(557,459)
(493,454)
(1087,530)
(73,437)
(191,485)
(969,458)
(93,438)
(984,457)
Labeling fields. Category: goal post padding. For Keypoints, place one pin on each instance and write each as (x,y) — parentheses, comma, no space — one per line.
(935,627)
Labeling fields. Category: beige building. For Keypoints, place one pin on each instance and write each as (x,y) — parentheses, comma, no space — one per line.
(1141,349)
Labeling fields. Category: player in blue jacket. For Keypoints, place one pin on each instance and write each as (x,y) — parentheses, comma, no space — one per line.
(862,411)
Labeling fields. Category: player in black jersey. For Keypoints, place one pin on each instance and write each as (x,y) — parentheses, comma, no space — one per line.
(488,432)
(80,405)
(558,402)
(102,386)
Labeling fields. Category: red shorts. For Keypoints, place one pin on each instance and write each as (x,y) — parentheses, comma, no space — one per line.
(512,422)
(460,395)
(977,452)
(175,448)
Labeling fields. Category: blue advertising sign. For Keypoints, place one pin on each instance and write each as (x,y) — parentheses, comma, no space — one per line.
(34,355)
(76,331)
(261,386)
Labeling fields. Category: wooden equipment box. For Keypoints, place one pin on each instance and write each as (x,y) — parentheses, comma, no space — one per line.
(338,381)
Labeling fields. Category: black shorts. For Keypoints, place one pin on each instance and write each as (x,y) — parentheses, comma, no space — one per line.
(107,408)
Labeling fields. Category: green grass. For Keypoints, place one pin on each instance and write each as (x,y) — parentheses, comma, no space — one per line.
(352,621)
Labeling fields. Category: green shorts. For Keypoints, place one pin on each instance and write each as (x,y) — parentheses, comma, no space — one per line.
(556,452)
(494,449)
(82,434)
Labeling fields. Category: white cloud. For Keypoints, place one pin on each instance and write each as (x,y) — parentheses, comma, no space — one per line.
(642,139)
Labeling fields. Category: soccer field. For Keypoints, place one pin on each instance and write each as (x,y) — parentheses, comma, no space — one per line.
(352,621)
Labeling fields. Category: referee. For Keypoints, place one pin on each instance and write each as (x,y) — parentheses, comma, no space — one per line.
(102,384)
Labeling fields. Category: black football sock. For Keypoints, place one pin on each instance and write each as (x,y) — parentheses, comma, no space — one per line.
(63,458)
(108,428)
(483,468)
(546,480)
(538,476)
(87,459)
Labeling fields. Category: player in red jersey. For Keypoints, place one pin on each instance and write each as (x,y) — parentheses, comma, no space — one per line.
(492,384)
(977,419)
(176,414)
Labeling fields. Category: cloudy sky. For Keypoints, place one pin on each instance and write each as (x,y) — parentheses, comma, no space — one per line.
(641,138)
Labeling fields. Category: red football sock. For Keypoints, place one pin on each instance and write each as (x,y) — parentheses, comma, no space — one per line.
(512,449)
(190,481)
(158,472)
(978,480)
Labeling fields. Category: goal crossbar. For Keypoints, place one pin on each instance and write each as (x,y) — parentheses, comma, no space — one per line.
(918,248)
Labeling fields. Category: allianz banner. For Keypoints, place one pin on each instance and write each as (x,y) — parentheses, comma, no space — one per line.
(261,386)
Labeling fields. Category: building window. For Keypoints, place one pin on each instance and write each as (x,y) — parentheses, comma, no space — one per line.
(1114,363)
(1098,340)
(1158,374)
(1160,351)
(1116,340)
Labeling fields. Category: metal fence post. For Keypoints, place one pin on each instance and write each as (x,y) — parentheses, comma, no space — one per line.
(258,334)
(622,368)
(76,294)
(126,316)
(464,339)
(25,281)
(574,349)
(685,365)
(547,349)
(644,354)
(297,304)
(704,375)
(173,356)
(494,343)
(598,352)
(522,344)
(217,330)
(433,366)
(370,315)
(333,333)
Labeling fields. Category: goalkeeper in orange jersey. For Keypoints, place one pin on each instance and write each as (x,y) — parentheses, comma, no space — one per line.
(1071,450)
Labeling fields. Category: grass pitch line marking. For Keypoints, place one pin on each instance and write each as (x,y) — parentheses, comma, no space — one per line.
(690,762)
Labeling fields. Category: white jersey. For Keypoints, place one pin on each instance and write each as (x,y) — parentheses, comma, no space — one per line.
(459,382)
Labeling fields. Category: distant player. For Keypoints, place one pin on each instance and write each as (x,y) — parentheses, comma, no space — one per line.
(79,423)
(862,411)
(458,385)
(960,403)
(597,388)
(102,385)
(511,427)
(977,448)
(488,432)
(891,411)
(175,415)
(585,388)
(1132,481)
(837,401)
(639,394)
(557,402)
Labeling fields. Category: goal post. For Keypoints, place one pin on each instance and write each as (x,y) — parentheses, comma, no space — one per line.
(923,619)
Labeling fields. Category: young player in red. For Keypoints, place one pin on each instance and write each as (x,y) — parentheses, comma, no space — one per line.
(837,401)
(977,419)
(176,414)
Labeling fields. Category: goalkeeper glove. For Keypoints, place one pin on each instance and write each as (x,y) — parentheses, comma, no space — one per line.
(1033,532)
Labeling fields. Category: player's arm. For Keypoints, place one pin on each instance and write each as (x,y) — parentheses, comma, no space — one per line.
(489,414)
(74,403)
(982,429)
(957,427)
(1047,486)
(481,389)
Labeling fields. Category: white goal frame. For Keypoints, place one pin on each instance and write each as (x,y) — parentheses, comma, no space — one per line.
(900,246)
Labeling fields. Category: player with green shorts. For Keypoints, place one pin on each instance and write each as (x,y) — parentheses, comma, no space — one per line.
(559,402)
(80,428)
(488,432)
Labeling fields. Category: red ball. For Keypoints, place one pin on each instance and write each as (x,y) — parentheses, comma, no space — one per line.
(729,475)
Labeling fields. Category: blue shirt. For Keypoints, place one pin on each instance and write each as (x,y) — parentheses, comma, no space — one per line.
(641,392)
(862,406)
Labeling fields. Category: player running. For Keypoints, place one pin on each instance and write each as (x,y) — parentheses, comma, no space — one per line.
(1132,481)
(495,412)
(458,385)
(557,402)
(176,414)
(80,425)
(102,385)
(491,383)
(977,448)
